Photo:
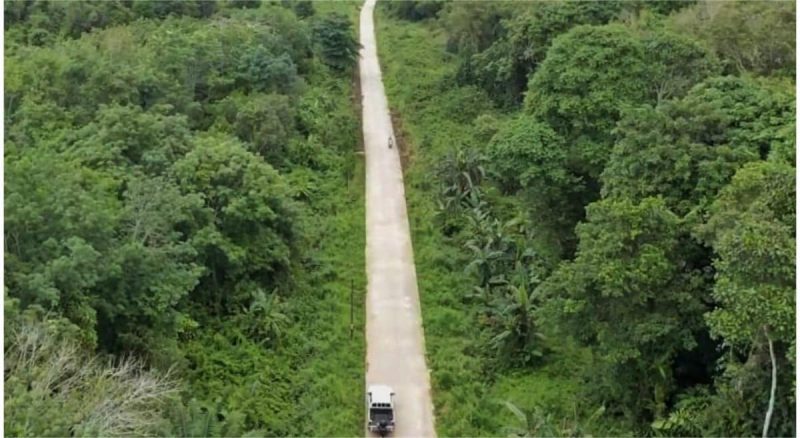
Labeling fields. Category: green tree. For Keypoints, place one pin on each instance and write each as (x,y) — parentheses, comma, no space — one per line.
(687,150)
(527,156)
(657,6)
(154,268)
(261,70)
(678,63)
(752,230)
(592,73)
(245,235)
(473,26)
(338,48)
(65,219)
(503,68)
(302,8)
(125,137)
(747,36)
(264,121)
(164,8)
(415,10)
(60,221)
(628,297)
(589,75)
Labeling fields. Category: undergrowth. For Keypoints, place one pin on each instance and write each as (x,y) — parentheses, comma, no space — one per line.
(470,398)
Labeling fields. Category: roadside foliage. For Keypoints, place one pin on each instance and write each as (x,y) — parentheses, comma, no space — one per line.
(177,259)
(608,244)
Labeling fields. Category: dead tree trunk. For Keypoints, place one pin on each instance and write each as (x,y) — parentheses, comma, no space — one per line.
(774,384)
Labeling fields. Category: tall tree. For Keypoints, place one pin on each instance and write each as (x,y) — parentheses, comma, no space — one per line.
(246,234)
(687,150)
(752,230)
(337,45)
(521,41)
(589,74)
(628,296)
(747,36)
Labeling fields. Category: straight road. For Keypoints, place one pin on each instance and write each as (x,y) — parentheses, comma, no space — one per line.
(395,342)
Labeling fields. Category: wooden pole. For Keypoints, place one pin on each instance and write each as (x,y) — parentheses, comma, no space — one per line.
(351,309)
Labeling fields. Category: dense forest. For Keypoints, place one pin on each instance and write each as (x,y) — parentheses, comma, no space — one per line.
(602,197)
(180,237)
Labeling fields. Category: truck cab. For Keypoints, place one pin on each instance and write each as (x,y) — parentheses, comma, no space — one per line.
(380,409)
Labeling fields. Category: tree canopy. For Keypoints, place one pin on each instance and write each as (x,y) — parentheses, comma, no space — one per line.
(619,192)
(154,157)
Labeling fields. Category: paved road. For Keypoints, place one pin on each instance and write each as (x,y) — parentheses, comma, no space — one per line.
(395,342)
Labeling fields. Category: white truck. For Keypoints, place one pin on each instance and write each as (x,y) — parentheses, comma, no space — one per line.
(380,409)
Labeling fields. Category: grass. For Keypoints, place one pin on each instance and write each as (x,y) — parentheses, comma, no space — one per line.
(328,375)
(334,375)
(329,385)
(350,8)
(411,84)
(311,384)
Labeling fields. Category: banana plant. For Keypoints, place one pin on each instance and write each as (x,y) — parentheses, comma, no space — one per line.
(539,422)
(519,338)
(265,317)
(460,174)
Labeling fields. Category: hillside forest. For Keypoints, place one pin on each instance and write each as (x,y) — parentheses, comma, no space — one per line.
(601,197)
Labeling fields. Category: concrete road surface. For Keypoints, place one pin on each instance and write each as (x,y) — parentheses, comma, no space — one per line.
(395,343)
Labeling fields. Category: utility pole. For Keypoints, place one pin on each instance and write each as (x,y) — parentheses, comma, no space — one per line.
(351,309)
